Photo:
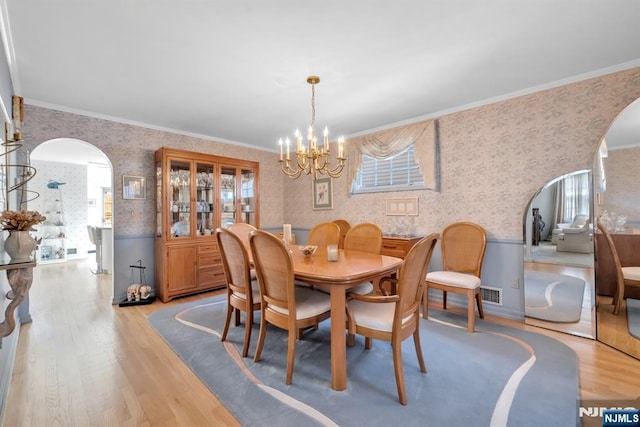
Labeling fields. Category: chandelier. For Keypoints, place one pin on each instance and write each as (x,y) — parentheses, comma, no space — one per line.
(311,158)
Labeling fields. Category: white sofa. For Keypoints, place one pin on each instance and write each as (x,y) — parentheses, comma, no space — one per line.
(578,221)
(578,237)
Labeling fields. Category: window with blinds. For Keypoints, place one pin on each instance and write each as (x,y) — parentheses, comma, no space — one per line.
(400,172)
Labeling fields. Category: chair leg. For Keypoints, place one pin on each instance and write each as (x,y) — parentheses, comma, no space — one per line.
(416,342)
(368,343)
(479,302)
(291,352)
(237,317)
(261,334)
(616,308)
(397,367)
(617,302)
(247,333)
(227,322)
(351,340)
(471,310)
(444,300)
(425,303)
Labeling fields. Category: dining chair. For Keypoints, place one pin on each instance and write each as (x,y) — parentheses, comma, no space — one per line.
(284,305)
(463,245)
(323,234)
(243,295)
(242,230)
(395,317)
(364,237)
(344,228)
(625,276)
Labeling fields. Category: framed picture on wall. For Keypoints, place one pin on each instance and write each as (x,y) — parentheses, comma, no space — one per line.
(322,193)
(134,187)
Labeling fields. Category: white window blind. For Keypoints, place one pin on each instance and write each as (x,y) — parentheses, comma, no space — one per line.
(398,172)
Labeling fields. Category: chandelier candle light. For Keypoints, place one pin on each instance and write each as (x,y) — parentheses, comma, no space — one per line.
(314,158)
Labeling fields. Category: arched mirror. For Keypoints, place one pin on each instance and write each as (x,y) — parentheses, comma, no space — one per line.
(617,204)
(558,260)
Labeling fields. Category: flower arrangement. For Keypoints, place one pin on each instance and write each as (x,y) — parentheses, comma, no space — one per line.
(20,220)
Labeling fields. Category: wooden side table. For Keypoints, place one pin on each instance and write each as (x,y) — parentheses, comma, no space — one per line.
(398,246)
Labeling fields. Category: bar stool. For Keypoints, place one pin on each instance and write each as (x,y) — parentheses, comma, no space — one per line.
(95,236)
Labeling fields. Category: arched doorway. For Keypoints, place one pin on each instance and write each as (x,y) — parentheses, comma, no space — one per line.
(74,181)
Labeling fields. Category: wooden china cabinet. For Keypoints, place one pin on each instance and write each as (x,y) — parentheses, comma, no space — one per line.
(195,194)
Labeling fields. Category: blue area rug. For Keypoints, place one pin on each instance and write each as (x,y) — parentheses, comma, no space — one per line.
(633,317)
(553,297)
(498,376)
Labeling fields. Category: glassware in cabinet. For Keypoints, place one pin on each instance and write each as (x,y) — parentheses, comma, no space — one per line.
(204,199)
(180,197)
(228,199)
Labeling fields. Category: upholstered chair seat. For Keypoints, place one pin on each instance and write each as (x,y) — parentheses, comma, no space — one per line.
(461,280)
(309,303)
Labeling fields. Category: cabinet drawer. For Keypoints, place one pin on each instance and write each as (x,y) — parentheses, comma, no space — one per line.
(211,277)
(394,248)
(209,255)
(209,260)
(208,248)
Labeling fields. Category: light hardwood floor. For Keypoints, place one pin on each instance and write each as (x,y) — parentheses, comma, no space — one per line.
(83,361)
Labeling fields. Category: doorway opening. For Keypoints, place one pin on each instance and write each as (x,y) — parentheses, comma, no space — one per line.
(74,179)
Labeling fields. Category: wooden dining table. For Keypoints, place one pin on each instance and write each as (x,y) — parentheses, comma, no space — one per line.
(351,269)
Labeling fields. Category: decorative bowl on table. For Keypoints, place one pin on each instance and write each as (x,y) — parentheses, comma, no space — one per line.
(309,250)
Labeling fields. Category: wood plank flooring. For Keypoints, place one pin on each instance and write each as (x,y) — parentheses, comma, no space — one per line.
(83,361)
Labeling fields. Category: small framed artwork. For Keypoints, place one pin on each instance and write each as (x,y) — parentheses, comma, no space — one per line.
(134,187)
(402,206)
(322,193)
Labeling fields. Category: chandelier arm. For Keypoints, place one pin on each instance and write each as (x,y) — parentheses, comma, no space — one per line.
(287,170)
(337,171)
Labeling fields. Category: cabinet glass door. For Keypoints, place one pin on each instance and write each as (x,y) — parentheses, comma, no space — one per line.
(204,199)
(158,199)
(228,196)
(180,193)
(247,195)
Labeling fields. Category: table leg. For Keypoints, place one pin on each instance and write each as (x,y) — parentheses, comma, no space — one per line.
(338,340)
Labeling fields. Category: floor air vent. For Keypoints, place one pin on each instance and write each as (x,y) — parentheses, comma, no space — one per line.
(491,295)
(72,251)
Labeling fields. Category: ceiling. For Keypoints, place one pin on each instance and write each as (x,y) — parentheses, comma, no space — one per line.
(235,71)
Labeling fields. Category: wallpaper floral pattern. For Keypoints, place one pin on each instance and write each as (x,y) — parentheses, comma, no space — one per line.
(623,183)
(131,152)
(494,158)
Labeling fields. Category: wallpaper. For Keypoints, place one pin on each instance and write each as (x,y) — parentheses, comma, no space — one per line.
(623,183)
(493,158)
(73,196)
(131,152)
